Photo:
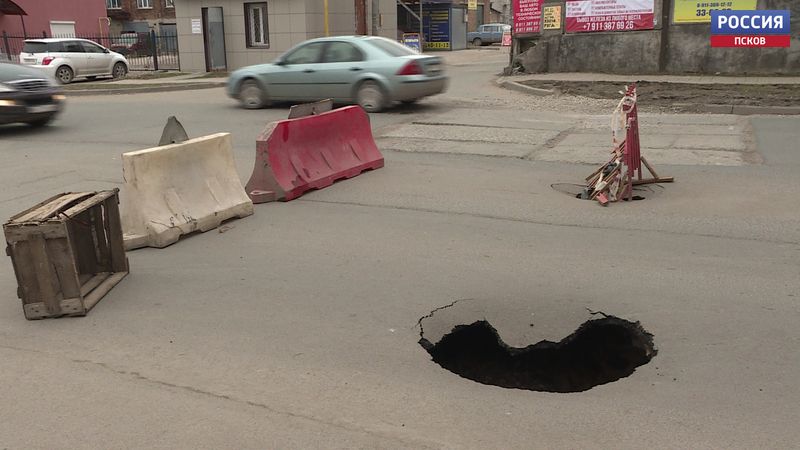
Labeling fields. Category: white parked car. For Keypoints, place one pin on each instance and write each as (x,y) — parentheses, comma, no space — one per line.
(68,58)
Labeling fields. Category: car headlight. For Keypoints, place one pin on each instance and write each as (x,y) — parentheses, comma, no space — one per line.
(6,88)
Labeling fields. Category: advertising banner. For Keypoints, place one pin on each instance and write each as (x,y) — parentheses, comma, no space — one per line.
(527,16)
(609,15)
(695,11)
(411,40)
(436,26)
(552,18)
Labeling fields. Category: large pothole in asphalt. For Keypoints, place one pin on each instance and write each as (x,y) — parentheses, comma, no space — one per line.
(600,351)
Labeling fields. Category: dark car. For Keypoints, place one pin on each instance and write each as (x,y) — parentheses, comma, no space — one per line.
(28,95)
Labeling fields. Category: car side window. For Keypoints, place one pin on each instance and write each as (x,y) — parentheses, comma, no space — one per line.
(342,52)
(73,47)
(307,54)
(91,48)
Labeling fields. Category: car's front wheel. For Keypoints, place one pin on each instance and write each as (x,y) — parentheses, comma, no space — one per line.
(477,42)
(41,122)
(120,70)
(371,97)
(251,96)
(64,75)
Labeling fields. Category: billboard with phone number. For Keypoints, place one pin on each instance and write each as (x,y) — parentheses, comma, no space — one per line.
(436,26)
(609,15)
(527,16)
(695,11)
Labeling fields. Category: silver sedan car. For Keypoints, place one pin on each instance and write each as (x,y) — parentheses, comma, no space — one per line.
(371,71)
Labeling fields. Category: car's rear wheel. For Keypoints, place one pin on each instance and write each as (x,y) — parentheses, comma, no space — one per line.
(371,97)
(251,96)
(120,70)
(64,75)
(477,42)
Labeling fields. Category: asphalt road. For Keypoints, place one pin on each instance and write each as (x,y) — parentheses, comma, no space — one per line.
(297,327)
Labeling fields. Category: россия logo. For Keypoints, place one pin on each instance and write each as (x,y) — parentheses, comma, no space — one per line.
(767,28)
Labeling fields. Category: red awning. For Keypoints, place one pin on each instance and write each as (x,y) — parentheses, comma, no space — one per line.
(10,8)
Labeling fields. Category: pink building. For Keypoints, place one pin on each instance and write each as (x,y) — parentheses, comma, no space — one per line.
(53,17)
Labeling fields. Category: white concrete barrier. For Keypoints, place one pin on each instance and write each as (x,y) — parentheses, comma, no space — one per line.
(178,189)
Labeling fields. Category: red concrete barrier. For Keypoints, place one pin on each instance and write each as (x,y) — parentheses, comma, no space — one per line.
(297,155)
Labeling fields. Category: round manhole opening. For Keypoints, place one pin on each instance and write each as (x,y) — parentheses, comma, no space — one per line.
(579,191)
(600,351)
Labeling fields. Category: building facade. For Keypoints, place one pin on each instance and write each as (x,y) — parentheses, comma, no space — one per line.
(218,35)
(54,18)
(141,16)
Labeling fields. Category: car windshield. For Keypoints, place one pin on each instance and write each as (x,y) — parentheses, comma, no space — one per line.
(34,47)
(390,47)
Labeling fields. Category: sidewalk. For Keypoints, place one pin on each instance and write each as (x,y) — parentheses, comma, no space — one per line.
(133,84)
(691,79)
(741,95)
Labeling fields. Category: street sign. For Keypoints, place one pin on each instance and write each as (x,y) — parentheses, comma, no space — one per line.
(472,4)
(506,39)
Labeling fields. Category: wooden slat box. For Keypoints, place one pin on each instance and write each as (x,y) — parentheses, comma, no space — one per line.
(67,253)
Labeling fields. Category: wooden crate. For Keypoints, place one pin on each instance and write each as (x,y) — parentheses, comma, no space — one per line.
(67,253)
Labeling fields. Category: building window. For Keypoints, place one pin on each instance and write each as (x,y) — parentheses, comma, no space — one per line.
(170,3)
(144,4)
(113,4)
(255,22)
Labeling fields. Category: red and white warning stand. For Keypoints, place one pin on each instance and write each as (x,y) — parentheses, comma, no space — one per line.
(615,180)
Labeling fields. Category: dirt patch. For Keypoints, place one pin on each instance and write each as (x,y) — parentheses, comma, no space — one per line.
(600,351)
(671,95)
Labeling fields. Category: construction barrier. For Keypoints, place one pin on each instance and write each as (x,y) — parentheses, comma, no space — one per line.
(615,180)
(180,188)
(297,155)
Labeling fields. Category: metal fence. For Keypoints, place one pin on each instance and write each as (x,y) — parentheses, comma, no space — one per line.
(144,51)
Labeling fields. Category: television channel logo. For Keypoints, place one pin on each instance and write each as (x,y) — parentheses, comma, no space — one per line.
(750,29)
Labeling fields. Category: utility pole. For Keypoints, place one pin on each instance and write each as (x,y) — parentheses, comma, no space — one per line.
(325,9)
(663,55)
(376,16)
(421,34)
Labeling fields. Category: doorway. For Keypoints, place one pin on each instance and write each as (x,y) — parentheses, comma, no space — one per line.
(214,39)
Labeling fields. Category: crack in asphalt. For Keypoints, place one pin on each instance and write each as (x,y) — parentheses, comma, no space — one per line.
(430,314)
(191,389)
(542,222)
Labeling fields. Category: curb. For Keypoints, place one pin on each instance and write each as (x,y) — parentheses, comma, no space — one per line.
(743,110)
(519,87)
(142,89)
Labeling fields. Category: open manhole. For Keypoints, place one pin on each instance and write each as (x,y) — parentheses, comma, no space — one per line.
(600,351)
(639,192)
